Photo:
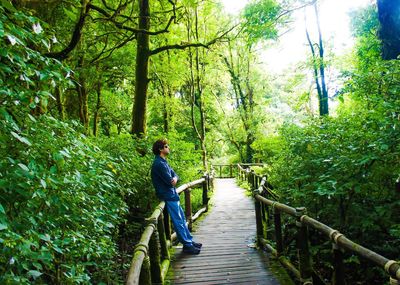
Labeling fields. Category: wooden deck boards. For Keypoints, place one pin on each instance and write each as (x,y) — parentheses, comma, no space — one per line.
(228,255)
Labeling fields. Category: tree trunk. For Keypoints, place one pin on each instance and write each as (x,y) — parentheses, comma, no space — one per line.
(319,68)
(196,91)
(60,106)
(82,96)
(244,98)
(315,71)
(97,110)
(142,67)
(389,30)
(83,106)
(249,149)
(324,102)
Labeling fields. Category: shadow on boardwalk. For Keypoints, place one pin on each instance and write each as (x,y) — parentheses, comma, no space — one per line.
(228,255)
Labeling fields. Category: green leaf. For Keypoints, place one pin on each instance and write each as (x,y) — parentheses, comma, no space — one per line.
(23,166)
(2,209)
(3,226)
(70,14)
(21,139)
(45,237)
(34,273)
(43,183)
(32,118)
(6,4)
(37,265)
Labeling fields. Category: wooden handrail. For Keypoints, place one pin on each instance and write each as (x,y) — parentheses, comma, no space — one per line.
(146,265)
(186,186)
(232,167)
(303,222)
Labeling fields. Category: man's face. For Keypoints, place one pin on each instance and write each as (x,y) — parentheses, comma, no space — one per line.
(165,150)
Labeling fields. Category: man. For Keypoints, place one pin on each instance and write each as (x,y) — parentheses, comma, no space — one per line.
(164,180)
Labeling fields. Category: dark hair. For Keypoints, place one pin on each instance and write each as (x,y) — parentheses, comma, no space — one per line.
(158,145)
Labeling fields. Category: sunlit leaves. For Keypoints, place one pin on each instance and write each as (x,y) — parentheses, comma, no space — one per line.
(262,19)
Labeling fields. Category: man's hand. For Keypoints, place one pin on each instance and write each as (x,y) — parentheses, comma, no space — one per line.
(174,181)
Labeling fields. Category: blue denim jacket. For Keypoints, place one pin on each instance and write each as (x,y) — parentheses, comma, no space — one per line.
(161,176)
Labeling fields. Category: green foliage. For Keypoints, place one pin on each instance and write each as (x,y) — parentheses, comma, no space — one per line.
(60,206)
(26,76)
(262,20)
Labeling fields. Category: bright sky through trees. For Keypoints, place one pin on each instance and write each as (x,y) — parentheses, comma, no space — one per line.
(292,46)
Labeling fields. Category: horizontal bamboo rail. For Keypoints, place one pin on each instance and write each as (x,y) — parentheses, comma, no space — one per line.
(305,273)
(150,261)
(232,168)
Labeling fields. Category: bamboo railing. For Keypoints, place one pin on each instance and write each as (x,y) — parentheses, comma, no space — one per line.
(268,212)
(151,259)
(232,168)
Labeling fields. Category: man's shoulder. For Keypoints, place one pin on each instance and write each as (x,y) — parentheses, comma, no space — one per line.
(158,161)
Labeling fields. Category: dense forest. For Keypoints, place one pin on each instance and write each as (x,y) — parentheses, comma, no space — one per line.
(86,87)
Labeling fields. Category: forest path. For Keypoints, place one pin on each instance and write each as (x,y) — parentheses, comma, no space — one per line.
(228,255)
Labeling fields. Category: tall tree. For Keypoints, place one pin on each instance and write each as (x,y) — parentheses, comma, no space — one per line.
(389,32)
(318,62)
(142,61)
(196,60)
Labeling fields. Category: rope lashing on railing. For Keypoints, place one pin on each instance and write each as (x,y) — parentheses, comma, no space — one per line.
(387,267)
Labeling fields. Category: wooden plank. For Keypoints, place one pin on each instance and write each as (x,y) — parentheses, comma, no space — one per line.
(228,255)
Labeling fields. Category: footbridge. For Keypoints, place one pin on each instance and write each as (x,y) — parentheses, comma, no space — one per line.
(243,239)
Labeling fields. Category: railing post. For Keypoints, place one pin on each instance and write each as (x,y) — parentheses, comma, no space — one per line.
(145,275)
(154,255)
(205,190)
(163,239)
(303,249)
(230,169)
(338,273)
(167,224)
(278,231)
(188,208)
(220,171)
(259,223)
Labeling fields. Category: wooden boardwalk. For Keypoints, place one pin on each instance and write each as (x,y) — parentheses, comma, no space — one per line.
(228,234)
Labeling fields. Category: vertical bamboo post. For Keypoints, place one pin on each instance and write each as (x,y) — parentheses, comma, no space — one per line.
(220,171)
(278,231)
(338,273)
(257,208)
(230,170)
(188,208)
(163,239)
(303,248)
(154,255)
(205,190)
(145,275)
(167,224)
(267,218)
(259,225)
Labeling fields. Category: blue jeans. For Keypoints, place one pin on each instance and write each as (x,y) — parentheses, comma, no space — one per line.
(178,220)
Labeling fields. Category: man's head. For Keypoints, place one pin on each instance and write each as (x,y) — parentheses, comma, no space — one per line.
(160,147)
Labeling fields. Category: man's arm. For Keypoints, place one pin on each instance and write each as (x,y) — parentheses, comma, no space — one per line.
(175,177)
(162,171)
